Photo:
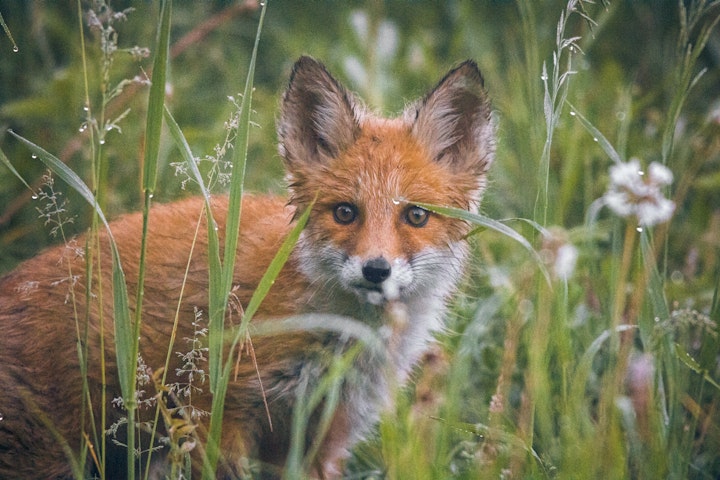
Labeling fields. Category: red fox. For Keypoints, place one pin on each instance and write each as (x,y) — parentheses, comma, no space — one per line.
(368,253)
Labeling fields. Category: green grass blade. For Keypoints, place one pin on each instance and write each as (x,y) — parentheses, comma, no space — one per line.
(123,330)
(686,79)
(123,323)
(152,148)
(597,136)
(186,153)
(271,274)
(693,365)
(217,295)
(655,287)
(8,33)
(484,221)
(266,282)
(326,322)
(6,162)
(326,395)
(237,182)
(715,308)
(64,173)
(156,100)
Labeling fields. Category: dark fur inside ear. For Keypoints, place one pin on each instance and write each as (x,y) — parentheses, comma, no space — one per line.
(317,116)
(454,123)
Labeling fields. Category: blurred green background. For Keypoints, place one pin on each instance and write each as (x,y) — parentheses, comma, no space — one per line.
(508,334)
(389,52)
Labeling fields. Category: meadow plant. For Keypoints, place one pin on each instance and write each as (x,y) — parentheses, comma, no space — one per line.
(633,193)
(568,355)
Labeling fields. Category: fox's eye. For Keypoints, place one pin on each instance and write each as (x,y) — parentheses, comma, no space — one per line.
(416,216)
(345,213)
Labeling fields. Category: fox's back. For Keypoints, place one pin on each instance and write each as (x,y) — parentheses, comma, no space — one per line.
(47,295)
(43,314)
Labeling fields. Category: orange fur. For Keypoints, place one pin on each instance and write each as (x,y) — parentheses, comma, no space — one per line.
(378,269)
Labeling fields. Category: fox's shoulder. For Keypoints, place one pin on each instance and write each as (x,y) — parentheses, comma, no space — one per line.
(173,229)
(269,216)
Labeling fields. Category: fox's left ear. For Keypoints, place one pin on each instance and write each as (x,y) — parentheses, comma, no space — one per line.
(453,122)
(317,116)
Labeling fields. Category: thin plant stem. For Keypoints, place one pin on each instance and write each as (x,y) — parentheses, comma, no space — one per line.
(92,246)
(619,300)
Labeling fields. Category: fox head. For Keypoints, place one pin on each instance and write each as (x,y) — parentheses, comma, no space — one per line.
(366,235)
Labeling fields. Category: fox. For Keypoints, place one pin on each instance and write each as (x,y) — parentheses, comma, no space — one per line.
(370,254)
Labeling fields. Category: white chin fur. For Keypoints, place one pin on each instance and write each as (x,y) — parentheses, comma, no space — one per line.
(390,291)
(374,297)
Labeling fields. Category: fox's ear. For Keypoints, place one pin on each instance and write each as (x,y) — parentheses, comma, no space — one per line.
(453,122)
(317,116)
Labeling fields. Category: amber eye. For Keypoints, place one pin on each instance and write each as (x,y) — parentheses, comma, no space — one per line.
(344,213)
(416,216)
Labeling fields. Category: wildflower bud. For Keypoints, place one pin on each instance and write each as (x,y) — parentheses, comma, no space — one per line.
(559,254)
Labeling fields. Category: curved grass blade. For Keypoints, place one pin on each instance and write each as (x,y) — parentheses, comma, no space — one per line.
(6,162)
(63,172)
(693,365)
(123,323)
(508,439)
(599,137)
(217,296)
(259,294)
(271,274)
(483,221)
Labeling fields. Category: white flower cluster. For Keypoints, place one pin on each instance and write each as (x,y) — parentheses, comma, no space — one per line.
(633,192)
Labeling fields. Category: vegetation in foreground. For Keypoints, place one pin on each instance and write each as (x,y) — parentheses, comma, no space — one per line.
(596,357)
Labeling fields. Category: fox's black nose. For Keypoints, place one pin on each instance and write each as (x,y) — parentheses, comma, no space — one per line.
(376,270)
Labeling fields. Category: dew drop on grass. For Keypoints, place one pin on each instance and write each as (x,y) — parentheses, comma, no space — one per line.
(572,113)
(639,229)
(102,142)
(15,49)
(33,156)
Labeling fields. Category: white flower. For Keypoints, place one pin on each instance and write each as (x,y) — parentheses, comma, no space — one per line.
(633,192)
(558,253)
(565,261)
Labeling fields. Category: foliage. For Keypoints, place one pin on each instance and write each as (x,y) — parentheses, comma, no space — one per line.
(595,358)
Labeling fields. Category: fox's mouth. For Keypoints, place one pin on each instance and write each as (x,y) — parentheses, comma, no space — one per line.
(376,294)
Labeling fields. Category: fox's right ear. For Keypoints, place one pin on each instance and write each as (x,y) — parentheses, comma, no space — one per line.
(454,121)
(317,116)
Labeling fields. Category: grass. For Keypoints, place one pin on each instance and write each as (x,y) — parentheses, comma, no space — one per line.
(582,344)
